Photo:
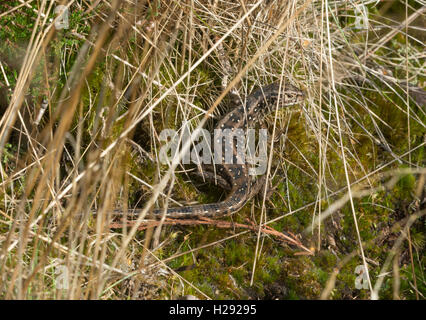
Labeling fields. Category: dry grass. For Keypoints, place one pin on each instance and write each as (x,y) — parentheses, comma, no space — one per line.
(125,70)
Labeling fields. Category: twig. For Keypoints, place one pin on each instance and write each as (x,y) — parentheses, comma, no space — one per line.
(217,223)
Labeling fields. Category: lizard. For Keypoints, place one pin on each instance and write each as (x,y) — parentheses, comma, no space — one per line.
(235,176)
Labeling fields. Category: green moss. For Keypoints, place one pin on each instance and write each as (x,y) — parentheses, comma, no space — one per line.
(406,185)
(224,270)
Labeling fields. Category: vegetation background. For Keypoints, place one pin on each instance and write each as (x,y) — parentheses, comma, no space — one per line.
(82,106)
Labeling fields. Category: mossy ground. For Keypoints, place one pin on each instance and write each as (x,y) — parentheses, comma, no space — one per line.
(224,270)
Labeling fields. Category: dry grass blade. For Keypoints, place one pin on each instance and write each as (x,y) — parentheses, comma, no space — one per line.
(87,90)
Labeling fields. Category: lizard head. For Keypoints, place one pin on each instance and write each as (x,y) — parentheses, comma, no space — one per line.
(290,95)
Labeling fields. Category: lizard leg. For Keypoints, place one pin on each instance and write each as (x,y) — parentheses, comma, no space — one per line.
(256,186)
